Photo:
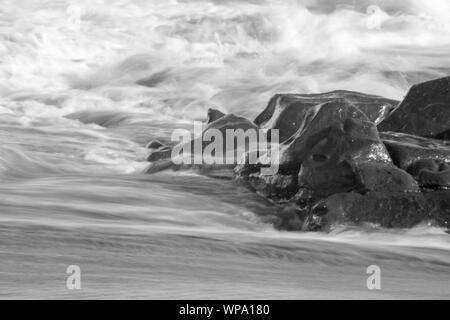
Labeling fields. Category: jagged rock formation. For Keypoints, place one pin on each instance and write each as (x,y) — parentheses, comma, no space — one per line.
(424,112)
(390,210)
(336,165)
(161,157)
(427,160)
(286,112)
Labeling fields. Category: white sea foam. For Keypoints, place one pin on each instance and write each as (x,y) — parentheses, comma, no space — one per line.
(84,85)
(235,54)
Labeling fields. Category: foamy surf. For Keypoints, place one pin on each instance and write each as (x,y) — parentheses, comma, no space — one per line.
(85,85)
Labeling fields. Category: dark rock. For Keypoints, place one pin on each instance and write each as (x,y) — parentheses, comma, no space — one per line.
(340,151)
(227,122)
(334,131)
(389,210)
(225,170)
(231,121)
(346,176)
(425,111)
(337,150)
(380,177)
(287,112)
(164,152)
(406,149)
(431,173)
(289,218)
(214,115)
(334,166)
(324,180)
(444,135)
(222,124)
(154,144)
(428,160)
(277,187)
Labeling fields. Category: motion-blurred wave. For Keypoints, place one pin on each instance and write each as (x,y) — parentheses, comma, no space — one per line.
(84,85)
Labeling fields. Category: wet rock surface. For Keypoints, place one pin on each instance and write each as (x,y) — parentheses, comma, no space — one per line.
(427,160)
(334,130)
(340,151)
(287,112)
(337,166)
(154,144)
(406,149)
(431,173)
(336,150)
(384,178)
(425,111)
(161,157)
(230,121)
(163,152)
(389,210)
(214,115)
(278,187)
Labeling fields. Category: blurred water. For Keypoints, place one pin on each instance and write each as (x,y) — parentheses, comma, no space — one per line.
(85,84)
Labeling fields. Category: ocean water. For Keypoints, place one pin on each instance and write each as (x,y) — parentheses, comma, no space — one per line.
(86,84)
